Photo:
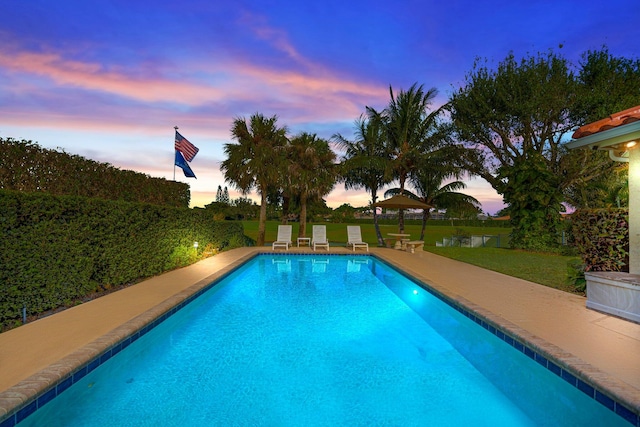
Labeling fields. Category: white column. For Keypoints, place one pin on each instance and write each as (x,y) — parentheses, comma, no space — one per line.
(634,211)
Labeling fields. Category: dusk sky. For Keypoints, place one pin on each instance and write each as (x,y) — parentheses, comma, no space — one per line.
(109,80)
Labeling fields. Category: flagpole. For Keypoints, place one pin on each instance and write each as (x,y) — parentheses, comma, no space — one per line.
(174,155)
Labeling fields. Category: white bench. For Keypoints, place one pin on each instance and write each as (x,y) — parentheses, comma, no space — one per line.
(414,245)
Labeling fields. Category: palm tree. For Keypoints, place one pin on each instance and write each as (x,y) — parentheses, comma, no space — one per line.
(311,171)
(607,190)
(365,163)
(430,188)
(254,161)
(428,181)
(409,130)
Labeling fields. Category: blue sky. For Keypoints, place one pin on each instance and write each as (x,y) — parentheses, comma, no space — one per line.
(109,80)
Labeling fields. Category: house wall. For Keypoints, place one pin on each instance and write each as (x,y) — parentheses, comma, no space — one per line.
(634,211)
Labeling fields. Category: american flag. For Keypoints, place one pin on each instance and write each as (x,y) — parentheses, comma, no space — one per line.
(187,149)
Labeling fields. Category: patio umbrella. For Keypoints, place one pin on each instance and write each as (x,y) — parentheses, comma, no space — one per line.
(401,202)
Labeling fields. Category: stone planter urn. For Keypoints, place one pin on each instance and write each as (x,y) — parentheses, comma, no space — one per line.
(614,293)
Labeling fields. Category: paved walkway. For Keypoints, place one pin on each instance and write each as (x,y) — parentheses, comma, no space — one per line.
(601,347)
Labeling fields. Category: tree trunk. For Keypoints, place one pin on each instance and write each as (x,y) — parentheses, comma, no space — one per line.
(374,198)
(401,211)
(425,217)
(263,218)
(302,230)
(377,227)
(286,201)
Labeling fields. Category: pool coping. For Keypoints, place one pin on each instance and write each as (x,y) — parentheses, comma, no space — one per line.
(600,386)
(19,401)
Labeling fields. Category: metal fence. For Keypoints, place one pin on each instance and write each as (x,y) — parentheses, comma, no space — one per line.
(488,241)
(477,241)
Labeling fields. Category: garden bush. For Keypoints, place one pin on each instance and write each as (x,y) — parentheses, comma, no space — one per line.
(602,238)
(56,250)
(27,167)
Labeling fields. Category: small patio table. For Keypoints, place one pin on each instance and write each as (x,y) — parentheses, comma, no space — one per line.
(306,240)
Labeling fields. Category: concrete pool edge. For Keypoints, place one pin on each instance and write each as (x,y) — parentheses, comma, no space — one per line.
(541,351)
(28,391)
(606,389)
(24,398)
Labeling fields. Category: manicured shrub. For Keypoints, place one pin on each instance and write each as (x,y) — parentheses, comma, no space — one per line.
(602,238)
(56,250)
(27,167)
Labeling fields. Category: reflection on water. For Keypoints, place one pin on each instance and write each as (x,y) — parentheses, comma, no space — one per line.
(319,265)
(353,266)
(284,265)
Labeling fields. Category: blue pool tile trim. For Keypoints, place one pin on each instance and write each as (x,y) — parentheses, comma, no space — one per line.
(610,403)
(48,395)
(617,407)
(605,400)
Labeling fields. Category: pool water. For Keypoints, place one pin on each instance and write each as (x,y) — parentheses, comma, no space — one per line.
(305,340)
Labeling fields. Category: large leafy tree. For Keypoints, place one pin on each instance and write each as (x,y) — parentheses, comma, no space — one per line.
(366,163)
(519,108)
(530,189)
(253,162)
(520,112)
(410,131)
(311,171)
(606,85)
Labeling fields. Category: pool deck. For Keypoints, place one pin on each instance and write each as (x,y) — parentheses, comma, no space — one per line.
(600,347)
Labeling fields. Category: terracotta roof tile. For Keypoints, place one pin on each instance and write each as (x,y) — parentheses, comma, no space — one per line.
(618,119)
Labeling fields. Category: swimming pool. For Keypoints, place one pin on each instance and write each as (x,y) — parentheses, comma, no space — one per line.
(320,340)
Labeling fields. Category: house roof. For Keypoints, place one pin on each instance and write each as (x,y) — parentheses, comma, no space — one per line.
(615,133)
(618,119)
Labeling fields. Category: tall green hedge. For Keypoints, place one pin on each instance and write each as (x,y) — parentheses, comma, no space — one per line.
(55,250)
(602,238)
(25,166)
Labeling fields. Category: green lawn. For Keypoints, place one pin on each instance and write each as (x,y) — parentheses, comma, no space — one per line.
(546,269)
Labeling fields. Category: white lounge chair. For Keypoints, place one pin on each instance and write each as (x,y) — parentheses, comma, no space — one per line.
(354,238)
(319,239)
(284,238)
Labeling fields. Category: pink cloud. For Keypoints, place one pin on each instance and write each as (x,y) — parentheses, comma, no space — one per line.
(147,120)
(96,77)
(317,95)
(307,97)
(311,89)
(279,39)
